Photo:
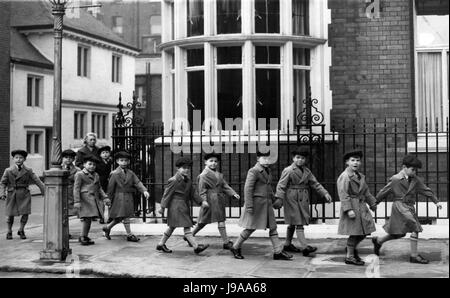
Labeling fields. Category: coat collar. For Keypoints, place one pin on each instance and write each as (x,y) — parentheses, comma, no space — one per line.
(352,175)
(21,173)
(302,174)
(213,176)
(89,174)
(262,171)
(404,180)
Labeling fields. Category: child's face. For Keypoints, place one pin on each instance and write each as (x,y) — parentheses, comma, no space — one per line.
(105,154)
(264,161)
(411,171)
(18,159)
(212,163)
(184,170)
(299,160)
(353,163)
(90,166)
(67,160)
(123,162)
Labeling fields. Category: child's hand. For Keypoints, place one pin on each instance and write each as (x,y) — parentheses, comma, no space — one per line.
(146,194)
(351,214)
(205,204)
(107,202)
(77,206)
(373,207)
(439,205)
(328,198)
(278,203)
(237,196)
(161,211)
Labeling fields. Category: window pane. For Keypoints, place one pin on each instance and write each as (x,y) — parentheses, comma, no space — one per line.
(267,94)
(79,61)
(104,125)
(82,119)
(267,16)
(196,94)
(228,16)
(267,55)
(117,24)
(301,56)
(37,86)
(149,44)
(300,20)
(36,143)
(229,55)
(195,17)
(85,61)
(195,57)
(432,30)
(29,139)
(229,94)
(301,83)
(30,92)
(75,126)
(155,25)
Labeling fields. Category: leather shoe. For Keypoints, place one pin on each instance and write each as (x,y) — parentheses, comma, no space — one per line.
(132,238)
(237,253)
(200,248)
(291,247)
(107,232)
(185,239)
(228,245)
(163,248)
(376,246)
(21,234)
(418,260)
(354,261)
(308,249)
(85,241)
(282,256)
(9,236)
(355,253)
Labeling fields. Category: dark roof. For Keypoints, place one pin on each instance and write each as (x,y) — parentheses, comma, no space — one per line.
(22,51)
(38,14)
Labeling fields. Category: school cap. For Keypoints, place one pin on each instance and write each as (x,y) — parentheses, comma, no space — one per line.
(300,151)
(183,161)
(122,154)
(20,152)
(104,148)
(353,153)
(92,158)
(68,153)
(411,161)
(210,155)
(259,153)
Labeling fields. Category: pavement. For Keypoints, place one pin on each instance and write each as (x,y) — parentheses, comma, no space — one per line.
(119,258)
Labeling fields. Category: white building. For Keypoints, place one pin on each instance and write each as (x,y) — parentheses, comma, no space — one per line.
(96,66)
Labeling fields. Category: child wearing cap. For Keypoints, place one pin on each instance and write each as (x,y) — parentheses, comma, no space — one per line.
(258,206)
(14,188)
(68,156)
(355,218)
(404,187)
(104,168)
(176,198)
(86,192)
(123,184)
(293,192)
(212,187)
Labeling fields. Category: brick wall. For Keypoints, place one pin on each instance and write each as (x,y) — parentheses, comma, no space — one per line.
(4,84)
(372,60)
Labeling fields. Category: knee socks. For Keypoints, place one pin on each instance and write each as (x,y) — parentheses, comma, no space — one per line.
(245,234)
(273,234)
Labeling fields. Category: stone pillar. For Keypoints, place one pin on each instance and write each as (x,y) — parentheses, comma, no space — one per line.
(56,219)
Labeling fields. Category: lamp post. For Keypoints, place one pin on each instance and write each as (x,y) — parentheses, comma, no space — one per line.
(56,225)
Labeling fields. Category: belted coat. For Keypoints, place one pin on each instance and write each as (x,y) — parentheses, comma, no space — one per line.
(293,189)
(213,188)
(403,217)
(71,179)
(14,185)
(87,191)
(354,195)
(177,198)
(259,196)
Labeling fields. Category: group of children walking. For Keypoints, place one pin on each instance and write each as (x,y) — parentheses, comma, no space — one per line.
(89,192)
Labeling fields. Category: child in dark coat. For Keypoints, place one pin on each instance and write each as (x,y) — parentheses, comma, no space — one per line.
(293,190)
(104,168)
(68,156)
(87,191)
(176,198)
(213,188)
(355,218)
(122,185)
(14,188)
(404,187)
(258,206)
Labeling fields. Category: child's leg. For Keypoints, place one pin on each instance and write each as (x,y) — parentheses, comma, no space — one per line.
(86,226)
(126,224)
(166,235)
(388,237)
(223,232)
(113,223)
(414,238)
(245,234)
(273,234)
(352,243)
(190,237)
(9,222)
(23,222)
(289,235)
(197,228)
(301,236)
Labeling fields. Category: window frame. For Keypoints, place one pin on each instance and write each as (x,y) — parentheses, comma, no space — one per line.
(79,132)
(37,98)
(32,141)
(83,61)
(102,119)
(116,68)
